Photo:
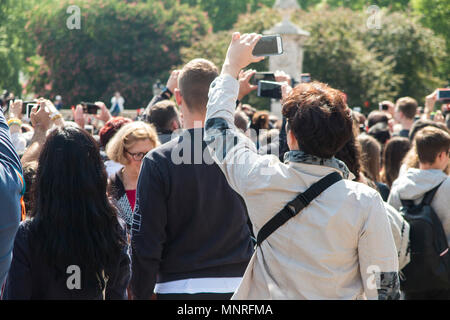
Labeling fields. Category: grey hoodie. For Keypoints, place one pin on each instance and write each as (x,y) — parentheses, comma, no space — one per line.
(415,183)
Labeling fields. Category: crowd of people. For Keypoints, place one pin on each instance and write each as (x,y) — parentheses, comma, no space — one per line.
(204,197)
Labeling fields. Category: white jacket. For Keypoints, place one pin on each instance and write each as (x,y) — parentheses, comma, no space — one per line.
(120,101)
(339,247)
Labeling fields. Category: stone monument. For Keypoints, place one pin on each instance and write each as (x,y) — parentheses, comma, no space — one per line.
(291,61)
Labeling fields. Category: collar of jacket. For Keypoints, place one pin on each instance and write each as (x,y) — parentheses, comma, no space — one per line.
(302,157)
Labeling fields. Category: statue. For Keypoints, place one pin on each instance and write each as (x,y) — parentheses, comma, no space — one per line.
(291,61)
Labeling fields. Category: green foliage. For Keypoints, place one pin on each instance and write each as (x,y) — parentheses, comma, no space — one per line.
(417,52)
(335,55)
(435,15)
(400,59)
(15,45)
(120,46)
(224,13)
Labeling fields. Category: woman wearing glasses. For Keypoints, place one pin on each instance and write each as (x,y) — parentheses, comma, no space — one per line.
(128,147)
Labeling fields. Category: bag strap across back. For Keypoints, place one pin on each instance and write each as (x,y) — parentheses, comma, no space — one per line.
(294,207)
(427,198)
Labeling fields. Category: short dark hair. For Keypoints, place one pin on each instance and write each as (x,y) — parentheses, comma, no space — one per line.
(380,131)
(431,141)
(408,106)
(376,117)
(194,82)
(319,119)
(162,114)
(420,124)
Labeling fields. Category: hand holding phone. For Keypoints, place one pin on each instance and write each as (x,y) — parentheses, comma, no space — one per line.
(90,108)
(239,54)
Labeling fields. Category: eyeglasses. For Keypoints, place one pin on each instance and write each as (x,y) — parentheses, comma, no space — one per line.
(137,156)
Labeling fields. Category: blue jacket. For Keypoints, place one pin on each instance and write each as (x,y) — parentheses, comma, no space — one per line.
(11,189)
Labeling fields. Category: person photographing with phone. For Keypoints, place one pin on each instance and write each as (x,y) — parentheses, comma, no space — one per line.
(319,235)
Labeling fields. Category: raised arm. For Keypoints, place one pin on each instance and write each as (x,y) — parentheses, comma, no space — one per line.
(41,122)
(235,154)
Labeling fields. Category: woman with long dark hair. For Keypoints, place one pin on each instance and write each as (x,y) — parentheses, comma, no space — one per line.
(73,247)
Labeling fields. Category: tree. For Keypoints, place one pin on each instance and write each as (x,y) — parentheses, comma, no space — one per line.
(334,54)
(223,14)
(417,51)
(119,46)
(15,44)
(435,15)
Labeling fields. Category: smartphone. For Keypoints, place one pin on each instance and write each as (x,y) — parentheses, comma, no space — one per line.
(443,95)
(90,108)
(269,46)
(383,107)
(263,76)
(28,108)
(269,89)
(305,78)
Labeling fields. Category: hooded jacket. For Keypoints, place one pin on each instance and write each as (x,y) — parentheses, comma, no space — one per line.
(415,183)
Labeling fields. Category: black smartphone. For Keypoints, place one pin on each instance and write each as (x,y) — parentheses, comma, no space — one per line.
(269,89)
(90,108)
(443,95)
(262,76)
(269,46)
(305,78)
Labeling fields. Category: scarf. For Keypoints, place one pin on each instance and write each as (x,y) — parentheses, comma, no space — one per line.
(302,157)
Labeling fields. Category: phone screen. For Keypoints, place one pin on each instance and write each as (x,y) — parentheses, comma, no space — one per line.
(268,46)
(306,78)
(443,95)
(269,89)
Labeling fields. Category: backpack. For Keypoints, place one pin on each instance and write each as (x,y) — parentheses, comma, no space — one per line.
(429,268)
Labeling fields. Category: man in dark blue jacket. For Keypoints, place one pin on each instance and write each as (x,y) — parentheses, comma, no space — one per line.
(190,237)
(11,188)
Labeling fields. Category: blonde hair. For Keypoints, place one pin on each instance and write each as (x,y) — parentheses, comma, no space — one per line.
(127,136)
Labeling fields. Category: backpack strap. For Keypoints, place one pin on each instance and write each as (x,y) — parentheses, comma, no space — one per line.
(294,207)
(428,198)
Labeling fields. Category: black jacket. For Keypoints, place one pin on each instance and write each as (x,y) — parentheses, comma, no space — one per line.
(30,278)
(188,222)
